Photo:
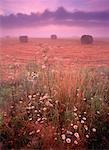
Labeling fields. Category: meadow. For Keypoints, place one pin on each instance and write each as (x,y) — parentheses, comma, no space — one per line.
(54,94)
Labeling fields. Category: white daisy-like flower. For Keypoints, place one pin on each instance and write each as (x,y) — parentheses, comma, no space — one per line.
(85,127)
(69,132)
(75,109)
(39,119)
(43,66)
(82,121)
(87,136)
(30,96)
(84,118)
(38,131)
(20,102)
(93,129)
(84,99)
(68,140)
(85,112)
(44,109)
(76,135)
(75,142)
(35,111)
(98,112)
(75,114)
(30,119)
(71,124)
(32,107)
(32,132)
(75,127)
(48,104)
(63,136)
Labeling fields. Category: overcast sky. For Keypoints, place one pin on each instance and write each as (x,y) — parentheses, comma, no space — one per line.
(91,16)
(27,6)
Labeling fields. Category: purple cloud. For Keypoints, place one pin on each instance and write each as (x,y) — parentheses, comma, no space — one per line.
(59,17)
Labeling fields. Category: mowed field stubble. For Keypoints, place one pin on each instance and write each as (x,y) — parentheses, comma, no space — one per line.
(66,51)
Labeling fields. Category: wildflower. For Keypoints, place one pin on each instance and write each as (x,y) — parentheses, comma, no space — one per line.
(84,118)
(43,66)
(39,119)
(87,136)
(62,129)
(12,107)
(76,135)
(38,131)
(71,124)
(84,99)
(93,129)
(55,138)
(45,96)
(98,112)
(75,127)
(5,114)
(30,119)
(77,94)
(32,107)
(34,96)
(75,142)
(85,127)
(63,136)
(68,140)
(30,96)
(82,121)
(32,132)
(44,109)
(35,111)
(48,104)
(44,118)
(80,116)
(75,114)
(75,109)
(20,102)
(69,132)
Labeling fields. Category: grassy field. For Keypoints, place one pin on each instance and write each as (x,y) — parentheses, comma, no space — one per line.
(54,94)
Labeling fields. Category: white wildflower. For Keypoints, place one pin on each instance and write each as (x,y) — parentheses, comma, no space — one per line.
(48,104)
(75,109)
(84,118)
(75,142)
(68,140)
(75,114)
(87,136)
(38,131)
(30,97)
(82,121)
(93,129)
(69,132)
(35,111)
(85,127)
(63,136)
(76,135)
(75,127)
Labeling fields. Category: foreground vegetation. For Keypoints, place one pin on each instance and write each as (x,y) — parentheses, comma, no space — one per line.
(48,108)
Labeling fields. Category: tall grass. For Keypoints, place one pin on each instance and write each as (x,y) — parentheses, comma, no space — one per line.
(55,108)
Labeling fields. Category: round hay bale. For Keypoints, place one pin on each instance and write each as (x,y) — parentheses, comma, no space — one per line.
(86,39)
(23,39)
(54,36)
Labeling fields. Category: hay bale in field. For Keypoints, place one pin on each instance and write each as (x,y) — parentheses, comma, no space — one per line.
(23,39)
(53,36)
(86,39)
